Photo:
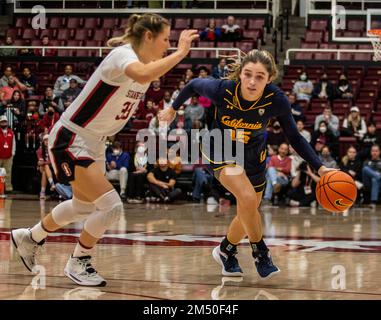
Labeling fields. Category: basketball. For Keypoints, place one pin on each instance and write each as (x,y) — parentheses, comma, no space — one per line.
(336,191)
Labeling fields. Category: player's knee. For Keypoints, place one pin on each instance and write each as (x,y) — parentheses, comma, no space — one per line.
(123,170)
(82,207)
(111,206)
(248,199)
(113,215)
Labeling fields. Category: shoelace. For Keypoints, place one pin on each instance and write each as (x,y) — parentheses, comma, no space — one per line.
(231,260)
(263,257)
(88,267)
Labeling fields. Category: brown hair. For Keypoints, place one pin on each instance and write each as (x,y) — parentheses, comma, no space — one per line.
(137,25)
(254,56)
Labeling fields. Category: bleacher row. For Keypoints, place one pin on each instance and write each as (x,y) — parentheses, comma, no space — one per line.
(317,37)
(93,32)
(366,84)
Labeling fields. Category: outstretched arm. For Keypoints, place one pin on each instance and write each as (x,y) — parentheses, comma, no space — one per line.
(301,146)
(206,87)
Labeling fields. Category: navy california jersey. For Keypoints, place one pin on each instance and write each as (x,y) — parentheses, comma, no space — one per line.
(252,117)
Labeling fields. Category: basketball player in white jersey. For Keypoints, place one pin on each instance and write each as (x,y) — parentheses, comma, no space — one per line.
(77,141)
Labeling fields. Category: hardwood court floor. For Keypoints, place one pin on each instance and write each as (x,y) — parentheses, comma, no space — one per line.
(164,252)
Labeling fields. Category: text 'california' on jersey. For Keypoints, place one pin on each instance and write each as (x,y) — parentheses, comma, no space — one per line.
(108,99)
(251,117)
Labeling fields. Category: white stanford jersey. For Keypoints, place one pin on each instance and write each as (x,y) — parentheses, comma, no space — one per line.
(108,99)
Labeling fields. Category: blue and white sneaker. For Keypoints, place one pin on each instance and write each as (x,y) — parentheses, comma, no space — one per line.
(229,263)
(264,264)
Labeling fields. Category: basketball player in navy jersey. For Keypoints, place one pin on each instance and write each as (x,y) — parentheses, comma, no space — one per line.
(77,141)
(247,101)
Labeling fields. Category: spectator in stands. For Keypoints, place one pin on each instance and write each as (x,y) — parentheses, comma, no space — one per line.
(296,108)
(29,81)
(6,74)
(177,91)
(50,100)
(157,129)
(8,51)
(181,122)
(353,166)
(296,160)
(162,180)
(14,84)
(44,166)
(326,158)
(330,119)
(155,93)
(221,70)
(117,162)
(211,32)
(166,102)
(63,82)
(276,136)
(203,72)
(369,140)
(371,175)
(231,30)
(31,122)
(344,89)
(323,136)
(303,87)
(354,125)
(324,88)
(146,112)
(303,187)
(70,94)
(189,75)
(302,131)
(26,52)
(202,181)
(14,110)
(278,172)
(49,52)
(50,117)
(195,112)
(137,176)
(7,151)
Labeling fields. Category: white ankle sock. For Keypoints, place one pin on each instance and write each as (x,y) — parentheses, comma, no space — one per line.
(38,233)
(80,251)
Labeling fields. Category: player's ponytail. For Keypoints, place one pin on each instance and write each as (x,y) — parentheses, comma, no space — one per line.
(262,56)
(136,26)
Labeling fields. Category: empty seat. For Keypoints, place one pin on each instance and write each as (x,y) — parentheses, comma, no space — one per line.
(48,67)
(200,23)
(309,45)
(205,44)
(182,23)
(252,34)
(198,54)
(352,34)
(318,25)
(363,56)
(82,34)
(32,65)
(91,23)
(51,33)
(73,23)
(313,36)
(110,23)
(101,35)
(303,55)
(256,23)
(245,46)
(22,22)
(85,53)
(55,22)
(13,32)
(64,34)
(328,46)
(29,33)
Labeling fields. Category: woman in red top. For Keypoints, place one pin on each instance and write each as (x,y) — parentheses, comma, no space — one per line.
(43,163)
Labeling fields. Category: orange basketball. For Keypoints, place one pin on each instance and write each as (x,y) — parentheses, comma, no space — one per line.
(336,191)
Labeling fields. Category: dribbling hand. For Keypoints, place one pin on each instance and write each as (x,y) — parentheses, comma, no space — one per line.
(167,115)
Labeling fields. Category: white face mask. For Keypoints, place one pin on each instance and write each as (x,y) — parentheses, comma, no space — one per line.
(141,149)
(323,129)
(180,112)
(115,152)
(303,77)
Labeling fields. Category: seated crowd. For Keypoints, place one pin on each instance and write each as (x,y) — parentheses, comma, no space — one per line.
(26,121)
